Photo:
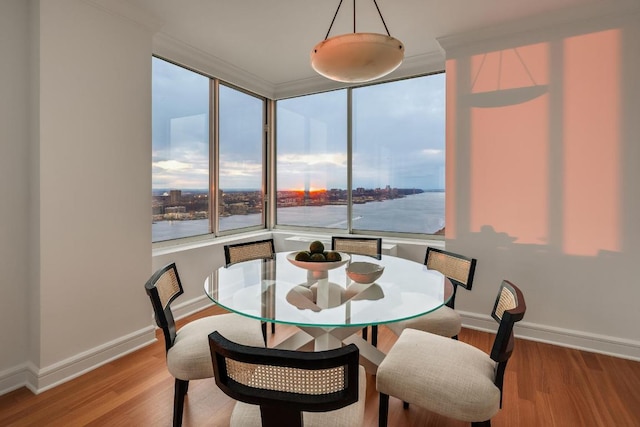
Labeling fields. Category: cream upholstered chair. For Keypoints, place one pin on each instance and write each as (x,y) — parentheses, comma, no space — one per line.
(369,246)
(187,349)
(290,388)
(444,321)
(450,377)
(247,251)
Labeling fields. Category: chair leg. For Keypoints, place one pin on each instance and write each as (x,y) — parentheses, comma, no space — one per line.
(481,423)
(455,337)
(180,391)
(364,333)
(273,328)
(405,405)
(374,335)
(383,410)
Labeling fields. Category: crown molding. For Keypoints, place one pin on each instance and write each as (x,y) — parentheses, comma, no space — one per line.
(177,51)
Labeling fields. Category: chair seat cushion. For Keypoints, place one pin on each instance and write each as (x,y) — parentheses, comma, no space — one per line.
(442,375)
(190,358)
(246,415)
(444,321)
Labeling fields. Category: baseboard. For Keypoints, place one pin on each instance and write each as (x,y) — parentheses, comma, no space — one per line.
(13,379)
(594,343)
(42,379)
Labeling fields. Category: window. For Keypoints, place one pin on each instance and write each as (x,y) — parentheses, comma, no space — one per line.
(184,155)
(397,147)
(312,160)
(180,152)
(242,122)
(398,156)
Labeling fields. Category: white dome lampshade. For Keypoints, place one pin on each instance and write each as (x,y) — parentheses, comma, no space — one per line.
(357,57)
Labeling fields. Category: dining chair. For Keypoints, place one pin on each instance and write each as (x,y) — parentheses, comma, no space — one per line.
(445,320)
(370,246)
(187,349)
(290,388)
(450,377)
(247,251)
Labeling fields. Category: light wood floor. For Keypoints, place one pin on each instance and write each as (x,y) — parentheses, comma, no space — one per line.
(545,385)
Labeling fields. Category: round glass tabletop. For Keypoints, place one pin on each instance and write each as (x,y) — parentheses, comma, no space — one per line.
(276,290)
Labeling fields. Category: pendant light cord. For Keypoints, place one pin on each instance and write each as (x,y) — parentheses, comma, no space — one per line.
(354,18)
(381,18)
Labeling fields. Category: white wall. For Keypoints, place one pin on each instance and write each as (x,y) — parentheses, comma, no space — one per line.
(14,188)
(84,176)
(544,191)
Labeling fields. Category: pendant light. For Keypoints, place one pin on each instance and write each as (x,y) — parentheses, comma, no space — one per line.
(357,57)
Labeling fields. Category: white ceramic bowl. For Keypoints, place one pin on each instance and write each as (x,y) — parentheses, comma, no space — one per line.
(364,272)
(318,266)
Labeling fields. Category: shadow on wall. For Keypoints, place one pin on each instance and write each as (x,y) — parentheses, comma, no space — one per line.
(540,149)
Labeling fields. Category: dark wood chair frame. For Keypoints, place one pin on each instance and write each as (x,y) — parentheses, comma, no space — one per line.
(165,321)
(228,261)
(501,351)
(378,240)
(454,282)
(280,408)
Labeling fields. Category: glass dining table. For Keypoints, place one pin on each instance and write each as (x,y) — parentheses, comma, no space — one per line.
(328,309)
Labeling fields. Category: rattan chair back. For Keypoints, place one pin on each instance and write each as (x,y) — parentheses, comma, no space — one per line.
(163,287)
(240,252)
(370,246)
(283,382)
(459,269)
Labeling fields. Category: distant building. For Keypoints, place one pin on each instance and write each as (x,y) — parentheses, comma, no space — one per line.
(175,197)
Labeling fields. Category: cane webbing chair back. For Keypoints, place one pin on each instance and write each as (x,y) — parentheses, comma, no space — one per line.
(369,246)
(261,249)
(459,269)
(163,287)
(285,383)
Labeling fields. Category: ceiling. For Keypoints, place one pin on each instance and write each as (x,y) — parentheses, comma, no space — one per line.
(270,40)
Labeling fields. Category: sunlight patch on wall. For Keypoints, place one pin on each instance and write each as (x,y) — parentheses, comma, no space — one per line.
(591,122)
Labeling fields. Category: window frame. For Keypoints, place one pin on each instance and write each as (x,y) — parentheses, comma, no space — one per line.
(349,230)
(214,161)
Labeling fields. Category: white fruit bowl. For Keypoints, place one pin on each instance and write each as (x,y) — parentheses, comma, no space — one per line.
(364,272)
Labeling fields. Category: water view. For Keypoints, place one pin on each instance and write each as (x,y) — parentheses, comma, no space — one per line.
(420,213)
